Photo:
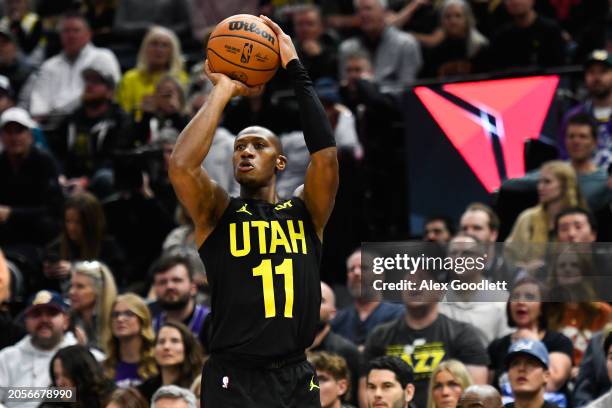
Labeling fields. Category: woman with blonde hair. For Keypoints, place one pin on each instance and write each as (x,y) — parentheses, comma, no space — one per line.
(159,55)
(130,343)
(557,190)
(448,381)
(92,293)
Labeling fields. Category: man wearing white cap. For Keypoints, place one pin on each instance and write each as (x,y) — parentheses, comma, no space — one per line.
(30,196)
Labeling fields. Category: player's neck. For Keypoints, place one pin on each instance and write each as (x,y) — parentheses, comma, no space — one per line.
(181,314)
(267,193)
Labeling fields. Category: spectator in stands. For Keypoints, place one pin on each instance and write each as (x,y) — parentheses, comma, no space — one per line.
(129,347)
(448,381)
(179,359)
(593,380)
(462,44)
(598,105)
(173,397)
(28,215)
(527,311)
(83,238)
(175,292)
(529,40)
(57,87)
(26,364)
(604,215)
(87,139)
(606,399)
(390,382)
(577,315)
(418,17)
(485,310)
(557,190)
(6,94)
(480,396)
(10,331)
(423,334)
(159,55)
(328,341)
(92,293)
(575,225)
(206,14)
(334,379)
(100,15)
(165,110)
(317,49)
(12,64)
(74,366)
(126,398)
(529,373)
(480,221)
(133,17)
(357,321)
(396,54)
(26,27)
(438,228)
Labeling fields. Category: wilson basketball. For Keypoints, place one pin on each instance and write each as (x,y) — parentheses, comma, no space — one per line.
(243,47)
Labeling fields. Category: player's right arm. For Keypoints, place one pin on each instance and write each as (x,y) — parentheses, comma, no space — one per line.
(204,199)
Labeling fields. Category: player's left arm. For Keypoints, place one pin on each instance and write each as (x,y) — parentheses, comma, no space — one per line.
(321,181)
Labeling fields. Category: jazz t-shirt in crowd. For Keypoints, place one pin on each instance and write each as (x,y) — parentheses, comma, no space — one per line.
(424,349)
(126,375)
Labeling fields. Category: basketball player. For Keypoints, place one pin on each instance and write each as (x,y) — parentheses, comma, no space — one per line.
(261,253)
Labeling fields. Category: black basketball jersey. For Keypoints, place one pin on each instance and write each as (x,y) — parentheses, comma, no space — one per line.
(262,261)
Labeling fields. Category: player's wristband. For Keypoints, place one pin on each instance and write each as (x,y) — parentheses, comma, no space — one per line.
(318,133)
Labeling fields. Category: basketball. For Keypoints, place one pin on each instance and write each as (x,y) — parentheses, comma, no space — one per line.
(244,48)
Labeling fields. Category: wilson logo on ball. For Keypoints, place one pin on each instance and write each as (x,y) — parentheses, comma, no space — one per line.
(251,28)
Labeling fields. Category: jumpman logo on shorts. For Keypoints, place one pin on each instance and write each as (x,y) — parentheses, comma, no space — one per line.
(313,385)
(244,210)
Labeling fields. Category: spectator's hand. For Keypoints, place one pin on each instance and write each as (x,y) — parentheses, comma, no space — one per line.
(312,48)
(287,49)
(235,88)
(148,104)
(5,213)
(57,270)
(80,335)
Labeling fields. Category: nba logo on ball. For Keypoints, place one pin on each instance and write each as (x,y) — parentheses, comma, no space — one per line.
(225,381)
(228,38)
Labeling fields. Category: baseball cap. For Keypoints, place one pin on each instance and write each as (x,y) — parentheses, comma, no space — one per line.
(17,115)
(532,348)
(327,89)
(46,298)
(599,56)
(106,77)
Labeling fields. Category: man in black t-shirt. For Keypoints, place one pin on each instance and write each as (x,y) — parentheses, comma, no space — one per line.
(527,363)
(423,338)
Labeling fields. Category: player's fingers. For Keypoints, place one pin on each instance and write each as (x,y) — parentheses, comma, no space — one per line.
(275,27)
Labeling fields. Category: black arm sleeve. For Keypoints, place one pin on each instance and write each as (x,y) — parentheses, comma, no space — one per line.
(318,133)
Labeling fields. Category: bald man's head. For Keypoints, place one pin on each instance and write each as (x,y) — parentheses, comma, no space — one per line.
(328,303)
(480,396)
(263,132)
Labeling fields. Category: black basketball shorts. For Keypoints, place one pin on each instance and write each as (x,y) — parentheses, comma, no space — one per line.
(227,385)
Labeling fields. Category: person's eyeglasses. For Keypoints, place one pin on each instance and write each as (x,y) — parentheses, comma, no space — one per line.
(125,313)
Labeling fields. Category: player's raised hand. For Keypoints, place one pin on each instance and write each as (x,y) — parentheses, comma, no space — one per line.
(287,49)
(235,88)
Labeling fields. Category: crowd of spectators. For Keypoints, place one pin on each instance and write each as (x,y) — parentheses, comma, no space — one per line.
(101,285)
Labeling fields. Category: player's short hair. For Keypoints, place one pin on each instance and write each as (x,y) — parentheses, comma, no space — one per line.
(174,392)
(576,210)
(262,131)
(494,222)
(333,364)
(401,369)
(446,220)
(169,260)
(583,119)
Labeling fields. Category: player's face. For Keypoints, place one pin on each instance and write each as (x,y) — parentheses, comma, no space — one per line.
(526,374)
(331,390)
(575,228)
(169,347)
(476,224)
(383,390)
(446,390)
(256,158)
(125,323)
(525,304)
(82,293)
(173,287)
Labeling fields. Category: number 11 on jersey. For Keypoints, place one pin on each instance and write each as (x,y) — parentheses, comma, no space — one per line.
(264,269)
